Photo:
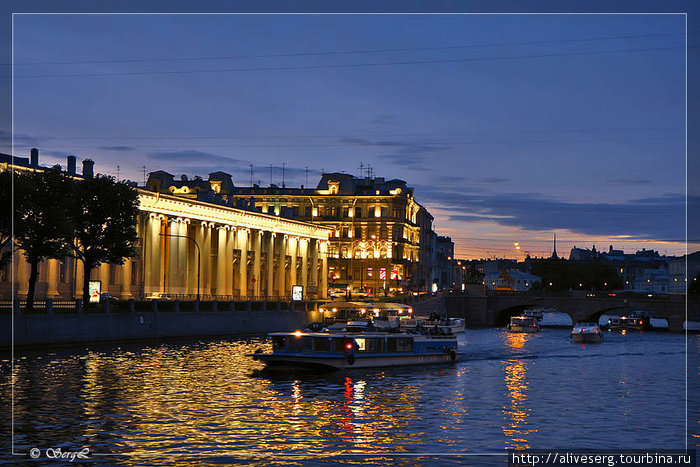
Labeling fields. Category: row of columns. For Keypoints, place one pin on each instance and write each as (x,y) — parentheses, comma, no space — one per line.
(52,278)
(175,248)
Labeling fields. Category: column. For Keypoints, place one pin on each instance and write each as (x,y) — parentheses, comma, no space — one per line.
(22,274)
(183,248)
(323,287)
(270,263)
(79,273)
(221,260)
(281,267)
(292,246)
(203,238)
(314,263)
(104,270)
(126,279)
(52,279)
(304,246)
(151,257)
(230,245)
(243,265)
(171,286)
(257,246)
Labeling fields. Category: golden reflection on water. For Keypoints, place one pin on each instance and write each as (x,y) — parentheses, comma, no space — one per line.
(516,411)
(211,398)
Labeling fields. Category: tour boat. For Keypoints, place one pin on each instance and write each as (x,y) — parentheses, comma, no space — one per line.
(523,324)
(358,346)
(635,321)
(584,333)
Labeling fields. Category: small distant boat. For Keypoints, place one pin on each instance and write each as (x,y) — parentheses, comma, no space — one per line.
(584,333)
(635,321)
(691,326)
(523,324)
(549,317)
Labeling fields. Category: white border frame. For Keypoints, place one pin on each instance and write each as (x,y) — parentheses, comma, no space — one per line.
(379,454)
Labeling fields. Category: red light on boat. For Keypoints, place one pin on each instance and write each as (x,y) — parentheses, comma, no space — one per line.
(348,346)
(640,323)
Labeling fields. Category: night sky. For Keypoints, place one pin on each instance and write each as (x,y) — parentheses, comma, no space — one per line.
(510,127)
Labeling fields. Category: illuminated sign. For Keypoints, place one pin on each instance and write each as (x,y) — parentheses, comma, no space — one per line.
(297,293)
(94,290)
(382,274)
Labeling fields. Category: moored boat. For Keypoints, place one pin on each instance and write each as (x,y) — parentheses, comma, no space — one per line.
(363,349)
(586,333)
(523,324)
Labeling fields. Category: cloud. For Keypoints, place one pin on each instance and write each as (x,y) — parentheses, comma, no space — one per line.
(194,157)
(493,180)
(407,154)
(628,181)
(117,148)
(385,119)
(21,139)
(658,218)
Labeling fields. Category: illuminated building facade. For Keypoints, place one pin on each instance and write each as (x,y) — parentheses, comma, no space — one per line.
(380,236)
(188,246)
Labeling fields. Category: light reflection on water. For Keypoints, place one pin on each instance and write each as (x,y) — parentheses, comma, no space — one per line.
(147,402)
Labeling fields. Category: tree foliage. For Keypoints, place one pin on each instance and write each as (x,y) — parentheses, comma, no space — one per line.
(104,220)
(42,225)
(6,218)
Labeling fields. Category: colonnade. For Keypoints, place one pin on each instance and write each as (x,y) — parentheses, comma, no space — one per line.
(183,256)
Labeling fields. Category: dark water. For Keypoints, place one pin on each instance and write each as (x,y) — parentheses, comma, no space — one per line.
(205,402)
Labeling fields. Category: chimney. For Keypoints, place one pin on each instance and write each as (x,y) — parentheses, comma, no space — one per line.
(71,165)
(34,157)
(88,168)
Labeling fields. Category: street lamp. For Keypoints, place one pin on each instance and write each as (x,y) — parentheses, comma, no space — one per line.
(199,256)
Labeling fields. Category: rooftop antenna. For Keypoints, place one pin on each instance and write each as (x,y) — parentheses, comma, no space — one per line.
(283,164)
(144,175)
(307,175)
(362,167)
(251,175)
(270,174)
(117,173)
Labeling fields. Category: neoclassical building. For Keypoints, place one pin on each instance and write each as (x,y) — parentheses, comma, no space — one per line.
(381,238)
(187,248)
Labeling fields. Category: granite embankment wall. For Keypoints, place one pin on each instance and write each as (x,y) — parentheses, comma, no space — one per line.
(39,329)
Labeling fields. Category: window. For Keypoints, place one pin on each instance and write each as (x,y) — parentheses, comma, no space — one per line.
(346,212)
(277,342)
(307,211)
(344,252)
(358,233)
(385,211)
(340,344)
(322,344)
(401,344)
(358,212)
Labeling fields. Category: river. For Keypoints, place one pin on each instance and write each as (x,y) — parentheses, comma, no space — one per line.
(203,400)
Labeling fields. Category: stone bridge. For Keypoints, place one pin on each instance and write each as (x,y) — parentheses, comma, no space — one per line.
(495,310)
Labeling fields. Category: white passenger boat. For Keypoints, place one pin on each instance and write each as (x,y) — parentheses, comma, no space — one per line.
(357,349)
(523,324)
(586,333)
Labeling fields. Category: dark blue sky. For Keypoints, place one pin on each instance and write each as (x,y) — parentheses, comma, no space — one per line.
(510,127)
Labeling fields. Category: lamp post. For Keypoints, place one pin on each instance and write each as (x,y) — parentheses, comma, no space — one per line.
(199,256)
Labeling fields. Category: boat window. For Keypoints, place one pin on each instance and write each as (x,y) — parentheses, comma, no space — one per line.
(278,342)
(340,344)
(400,344)
(299,344)
(375,345)
(361,344)
(322,344)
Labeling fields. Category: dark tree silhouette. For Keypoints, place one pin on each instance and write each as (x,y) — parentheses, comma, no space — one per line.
(5,218)
(42,228)
(104,219)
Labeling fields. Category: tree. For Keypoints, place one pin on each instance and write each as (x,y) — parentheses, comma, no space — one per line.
(104,218)
(42,229)
(694,286)
(5,218)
